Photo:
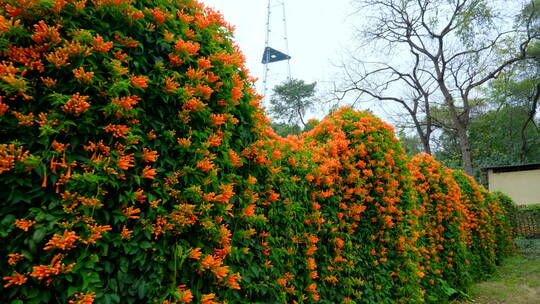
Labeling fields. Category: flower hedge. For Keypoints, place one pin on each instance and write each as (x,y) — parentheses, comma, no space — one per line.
(136,166)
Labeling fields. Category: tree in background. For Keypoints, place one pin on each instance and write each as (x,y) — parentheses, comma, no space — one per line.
(410,142)
(289,103)
(495,139)
(442,52)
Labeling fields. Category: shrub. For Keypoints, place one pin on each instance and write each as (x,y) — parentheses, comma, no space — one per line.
(136,166)
(445,226)
(122,124)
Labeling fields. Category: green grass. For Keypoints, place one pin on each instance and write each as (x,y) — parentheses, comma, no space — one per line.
(517,281)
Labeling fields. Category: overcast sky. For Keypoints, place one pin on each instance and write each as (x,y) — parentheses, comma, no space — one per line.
(317,32)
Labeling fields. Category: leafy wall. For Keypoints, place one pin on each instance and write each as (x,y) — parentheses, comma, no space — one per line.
(136,166)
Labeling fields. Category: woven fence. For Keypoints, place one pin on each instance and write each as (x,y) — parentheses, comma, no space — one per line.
(526,221)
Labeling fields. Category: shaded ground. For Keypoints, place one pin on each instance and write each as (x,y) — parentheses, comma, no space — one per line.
(517,281)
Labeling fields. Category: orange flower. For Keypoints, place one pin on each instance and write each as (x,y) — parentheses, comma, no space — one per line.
(249,210)
(44,33)
(195,253)
(120,56)
(205,165)
(58,147)
(55,267)
(235,159)
(77,104)
(149,156)
(82,75)
(175,59)
(5,24)
(232,281)
(185,294)
(184,142)
(151,135)
(130,212)
(24,120)
(218,119)
(214,140)
(210,262)
(126,233)
(24,224)
(124,162)
(158,15)
(204,63)
(170,85)
(139,81)
(96,232)
(127,41)
(90,202)
(3,107)
(236,93)
(251,180)
(220,272)
(83,298)
(168,36)
(312,288)
(58,58)
(273,196)
(126,103)
(191,48)
(101,46)
(208,299)
(14,258)
(205,91)
(311,264)
(148,172)
(17,279)
(63,242)
(117,130)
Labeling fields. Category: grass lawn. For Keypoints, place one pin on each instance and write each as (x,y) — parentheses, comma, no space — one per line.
(517,281)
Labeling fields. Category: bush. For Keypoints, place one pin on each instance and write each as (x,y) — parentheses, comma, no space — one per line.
(445,224)
(506,202)
(136,166)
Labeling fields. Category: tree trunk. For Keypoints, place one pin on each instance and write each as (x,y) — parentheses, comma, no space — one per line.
(530,119)
(465,149)
(424,137)
(429,128)
(460,125)
(301,117)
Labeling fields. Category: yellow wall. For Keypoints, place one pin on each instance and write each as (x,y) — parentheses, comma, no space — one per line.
(522,186)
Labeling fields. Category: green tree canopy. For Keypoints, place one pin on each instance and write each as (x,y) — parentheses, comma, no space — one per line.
(291,100)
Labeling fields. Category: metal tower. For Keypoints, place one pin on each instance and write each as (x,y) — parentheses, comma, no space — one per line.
(271,54)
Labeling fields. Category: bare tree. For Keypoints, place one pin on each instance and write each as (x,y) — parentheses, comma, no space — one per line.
(448,48)
(416,90)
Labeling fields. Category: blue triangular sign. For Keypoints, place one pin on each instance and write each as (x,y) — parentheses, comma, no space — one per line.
(272,55)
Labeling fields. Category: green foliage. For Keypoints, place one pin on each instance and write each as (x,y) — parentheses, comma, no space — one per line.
(507,203)
(411,143)
(290,101)
(494,138)
(283,129)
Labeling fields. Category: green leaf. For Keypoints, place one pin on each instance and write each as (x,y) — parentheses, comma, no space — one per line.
(39,234)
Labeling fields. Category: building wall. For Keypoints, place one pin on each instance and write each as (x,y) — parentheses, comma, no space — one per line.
(522,186)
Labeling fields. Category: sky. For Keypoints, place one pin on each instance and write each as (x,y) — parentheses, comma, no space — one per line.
(317,32)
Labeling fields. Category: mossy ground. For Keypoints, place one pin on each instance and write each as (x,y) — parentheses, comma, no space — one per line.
(517,281)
